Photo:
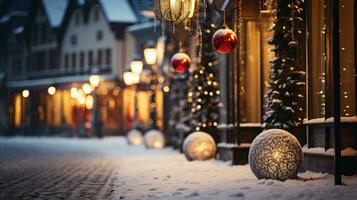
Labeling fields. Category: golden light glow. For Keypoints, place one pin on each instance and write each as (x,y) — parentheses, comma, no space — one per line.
(51,90)
(150,55)
(86,88)
(131,78)
(166,88)
(25,93)
(94,80)
(74,93)
(89,102)
(136,66)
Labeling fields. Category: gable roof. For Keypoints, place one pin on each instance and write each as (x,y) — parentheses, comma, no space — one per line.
(118,11)
(55,10)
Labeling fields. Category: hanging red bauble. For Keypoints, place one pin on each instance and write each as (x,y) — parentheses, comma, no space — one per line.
(180,62)
(224,40)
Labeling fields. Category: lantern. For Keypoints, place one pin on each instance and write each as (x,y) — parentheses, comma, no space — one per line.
(154,139)
(275,154)
(199,146)
(134,137)
(176,11)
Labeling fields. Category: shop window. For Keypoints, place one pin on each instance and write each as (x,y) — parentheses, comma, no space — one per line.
(320,59)
(254,69)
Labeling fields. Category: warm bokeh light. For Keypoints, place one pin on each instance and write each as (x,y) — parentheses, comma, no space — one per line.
(51,90)
(131,78)
(94,80)
(25,93)
(74,93)
(87,88)
(150,54)
(136,66)
(89,102)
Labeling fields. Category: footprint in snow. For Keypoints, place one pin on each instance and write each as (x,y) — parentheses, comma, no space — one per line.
(193,194)
(246,188)
(181,189)
(239,195)
(152,189)
(176,193)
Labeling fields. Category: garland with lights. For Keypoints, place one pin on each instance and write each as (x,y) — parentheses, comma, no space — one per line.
(203,96)
(285,95)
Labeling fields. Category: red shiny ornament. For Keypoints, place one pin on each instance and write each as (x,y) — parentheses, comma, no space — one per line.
(180,62)
(224,40)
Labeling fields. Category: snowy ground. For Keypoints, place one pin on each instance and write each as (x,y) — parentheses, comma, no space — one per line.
(58,168)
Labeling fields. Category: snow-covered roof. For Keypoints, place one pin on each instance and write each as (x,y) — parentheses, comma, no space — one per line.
(8,16)
(55,10)
(119,11)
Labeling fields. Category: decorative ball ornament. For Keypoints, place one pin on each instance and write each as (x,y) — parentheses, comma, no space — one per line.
(199,146)
(134,137)
(154,139)
(224,40)
(180,62)
(275,154)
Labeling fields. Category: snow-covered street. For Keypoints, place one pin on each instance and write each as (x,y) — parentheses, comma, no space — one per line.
(60,168)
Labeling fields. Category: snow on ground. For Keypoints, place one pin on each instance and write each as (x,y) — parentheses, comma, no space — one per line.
(165,174)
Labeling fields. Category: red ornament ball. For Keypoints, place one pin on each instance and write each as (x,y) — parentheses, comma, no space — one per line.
(180,62)
(224,40)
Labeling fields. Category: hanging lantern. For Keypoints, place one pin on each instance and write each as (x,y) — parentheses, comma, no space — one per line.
(275,154)
(180,62)
(134,137)
(224,40)
(199,146)
(154,139)
(176,11)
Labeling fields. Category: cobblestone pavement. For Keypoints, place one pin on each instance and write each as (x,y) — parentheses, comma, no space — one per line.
(60,169)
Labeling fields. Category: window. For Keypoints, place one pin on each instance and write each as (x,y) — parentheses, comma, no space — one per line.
(108,56)
(96,13)
(53,59)
(66,61)
(99,57)
(78,18)
(254,69)
(81,60)
(74,60)
(321,59)
(99,36)
(73,40)
(90,58)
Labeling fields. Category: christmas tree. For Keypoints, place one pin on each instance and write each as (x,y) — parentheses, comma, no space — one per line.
(204,94)
(285,97)
(179,121)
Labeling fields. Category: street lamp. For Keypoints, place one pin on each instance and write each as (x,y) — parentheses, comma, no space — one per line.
(94,81)
(150,53)
(25,94)
(136,65)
